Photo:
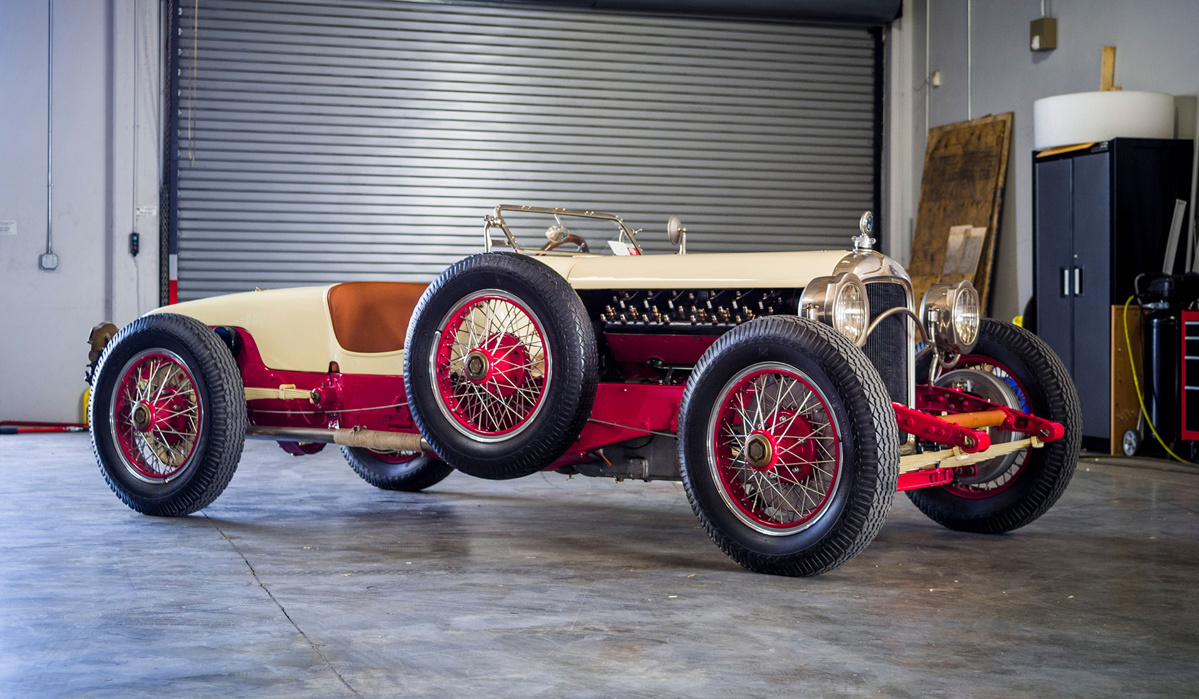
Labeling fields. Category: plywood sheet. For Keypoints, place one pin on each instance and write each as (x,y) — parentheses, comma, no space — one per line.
(965,165)
(1126,409)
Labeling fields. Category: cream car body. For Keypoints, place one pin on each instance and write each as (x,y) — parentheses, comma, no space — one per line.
(293,330)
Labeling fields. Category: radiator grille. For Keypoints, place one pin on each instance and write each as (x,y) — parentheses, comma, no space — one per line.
(887,346)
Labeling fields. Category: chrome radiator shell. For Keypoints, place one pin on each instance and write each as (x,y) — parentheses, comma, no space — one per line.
(889,346)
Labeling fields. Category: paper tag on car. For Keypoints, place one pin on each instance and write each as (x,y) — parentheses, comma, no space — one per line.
(619,247)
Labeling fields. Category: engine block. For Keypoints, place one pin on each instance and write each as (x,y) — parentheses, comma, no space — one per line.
(687,311)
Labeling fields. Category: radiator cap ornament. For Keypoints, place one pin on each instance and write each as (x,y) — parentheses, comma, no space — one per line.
(863,241)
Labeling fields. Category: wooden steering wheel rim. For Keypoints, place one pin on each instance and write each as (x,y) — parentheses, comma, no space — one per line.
(571,238)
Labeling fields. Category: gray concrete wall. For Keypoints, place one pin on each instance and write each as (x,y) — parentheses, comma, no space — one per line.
(97,142)
(1157,45)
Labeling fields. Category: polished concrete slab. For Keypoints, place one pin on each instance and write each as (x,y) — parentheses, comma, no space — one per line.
(304,581)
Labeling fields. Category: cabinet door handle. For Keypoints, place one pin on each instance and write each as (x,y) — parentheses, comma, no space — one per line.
(1065,281)
(1078,281)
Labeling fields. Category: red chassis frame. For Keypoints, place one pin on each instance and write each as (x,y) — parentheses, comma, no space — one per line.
(622,412)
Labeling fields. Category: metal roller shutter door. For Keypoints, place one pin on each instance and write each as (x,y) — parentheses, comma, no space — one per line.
(365,139)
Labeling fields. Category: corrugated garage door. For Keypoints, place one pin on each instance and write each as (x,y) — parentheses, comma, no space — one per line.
(365,139)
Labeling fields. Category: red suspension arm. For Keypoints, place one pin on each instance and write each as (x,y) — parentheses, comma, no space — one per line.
(953,401)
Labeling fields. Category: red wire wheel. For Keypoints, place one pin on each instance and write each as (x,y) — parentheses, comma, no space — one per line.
(167,414)
(788,446)
(1009,365)
(491,366)
(157,415)
(773,449)
(995,475)
(500,366)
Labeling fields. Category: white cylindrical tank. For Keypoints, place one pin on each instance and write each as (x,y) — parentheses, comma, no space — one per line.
(1084,117)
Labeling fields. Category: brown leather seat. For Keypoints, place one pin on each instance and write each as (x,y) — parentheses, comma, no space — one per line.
(372,316)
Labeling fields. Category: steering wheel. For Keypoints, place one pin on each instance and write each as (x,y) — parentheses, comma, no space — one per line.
(570,238)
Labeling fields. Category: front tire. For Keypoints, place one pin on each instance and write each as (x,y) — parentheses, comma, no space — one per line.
(1024,489)
(167,415)
(409,473)
(788,446)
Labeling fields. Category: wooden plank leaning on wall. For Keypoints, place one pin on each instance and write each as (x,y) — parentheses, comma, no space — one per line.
(965,166)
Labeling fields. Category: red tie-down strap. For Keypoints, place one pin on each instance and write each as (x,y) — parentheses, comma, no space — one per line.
(936,398)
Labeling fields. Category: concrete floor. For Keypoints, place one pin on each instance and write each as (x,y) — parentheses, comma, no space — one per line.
(302,580)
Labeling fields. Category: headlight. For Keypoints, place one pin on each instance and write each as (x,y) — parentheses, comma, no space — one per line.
(838,301)
(950,312)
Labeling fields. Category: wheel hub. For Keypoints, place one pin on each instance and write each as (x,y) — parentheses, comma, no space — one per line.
(477,366)
(774,449)
(156,415)
(760,451)
(795,442)
(492,366)
(143,417)
(987,386)
(500,365)
(163,415)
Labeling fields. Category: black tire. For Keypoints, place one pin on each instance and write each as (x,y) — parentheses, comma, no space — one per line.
(1046,471)
(219,433)
(568,393)
(860,497)
(411,476)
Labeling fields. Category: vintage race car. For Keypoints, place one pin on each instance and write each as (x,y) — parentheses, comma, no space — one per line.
(793,394)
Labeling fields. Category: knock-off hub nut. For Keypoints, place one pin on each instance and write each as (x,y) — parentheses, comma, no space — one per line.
(476,366)
(759,451)
(143,417)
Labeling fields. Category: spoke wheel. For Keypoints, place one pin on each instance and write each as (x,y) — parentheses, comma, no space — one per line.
(491,365)
(157,415)
(788,446)
(1007,494)
(500,366)
(167,412)
(774,449)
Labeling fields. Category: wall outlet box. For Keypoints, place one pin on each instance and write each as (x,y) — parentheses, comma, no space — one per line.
(48,261)
(1042,34)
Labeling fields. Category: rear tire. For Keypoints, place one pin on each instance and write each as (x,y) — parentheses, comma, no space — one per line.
(1036,480)
(168,415)
(816,487)
(394,472)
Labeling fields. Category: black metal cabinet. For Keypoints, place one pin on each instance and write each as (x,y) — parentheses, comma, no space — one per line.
(1101,216)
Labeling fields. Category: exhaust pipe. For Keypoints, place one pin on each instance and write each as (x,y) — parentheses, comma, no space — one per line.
(376,440)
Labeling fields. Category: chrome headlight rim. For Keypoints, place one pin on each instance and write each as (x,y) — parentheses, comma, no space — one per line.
(838,301)
(951,314)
